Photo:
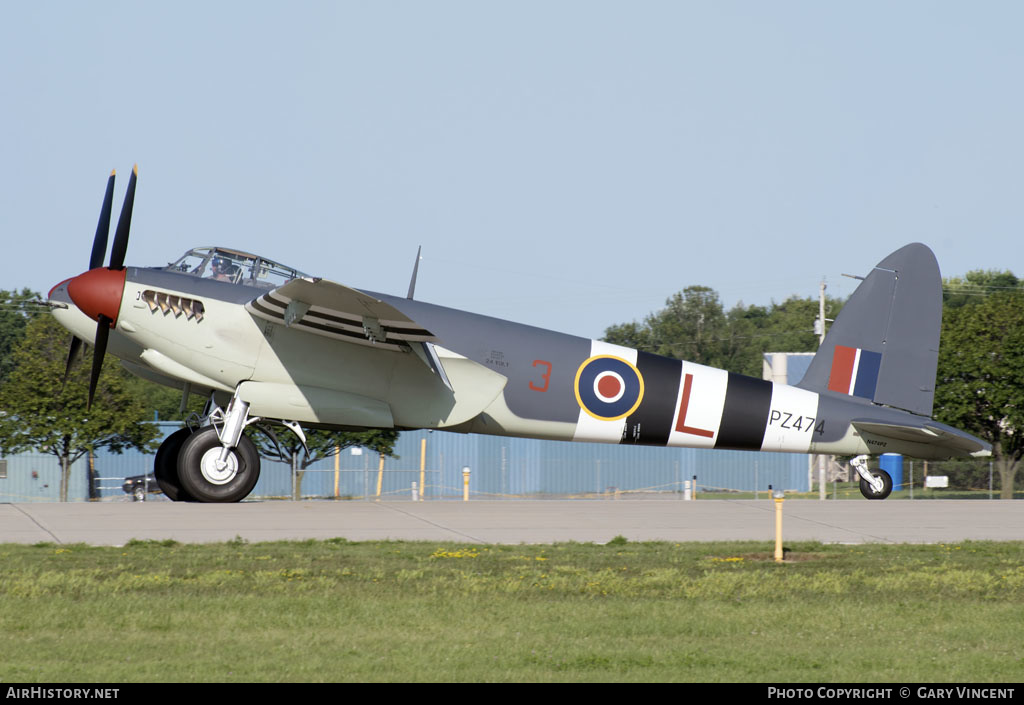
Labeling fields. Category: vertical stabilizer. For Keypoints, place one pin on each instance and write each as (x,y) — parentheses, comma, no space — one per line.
(884,344)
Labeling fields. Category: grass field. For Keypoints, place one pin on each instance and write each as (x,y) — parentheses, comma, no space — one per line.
(398,611)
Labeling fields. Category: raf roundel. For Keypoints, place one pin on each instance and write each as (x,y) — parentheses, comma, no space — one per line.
(608,388)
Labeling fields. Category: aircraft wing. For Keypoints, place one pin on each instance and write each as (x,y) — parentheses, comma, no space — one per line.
(928,432)
(335,311)
(450,390)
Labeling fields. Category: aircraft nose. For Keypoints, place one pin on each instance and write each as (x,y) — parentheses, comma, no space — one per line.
(59,293)
(98,292)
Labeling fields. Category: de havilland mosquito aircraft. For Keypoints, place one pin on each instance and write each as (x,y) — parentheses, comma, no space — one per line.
(267,343)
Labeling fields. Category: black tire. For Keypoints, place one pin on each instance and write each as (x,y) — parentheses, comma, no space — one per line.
(139,493)
(165,466)
(869,493)
(204,481)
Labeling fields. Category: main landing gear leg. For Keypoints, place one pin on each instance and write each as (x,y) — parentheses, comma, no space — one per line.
(218,463)
(875,484)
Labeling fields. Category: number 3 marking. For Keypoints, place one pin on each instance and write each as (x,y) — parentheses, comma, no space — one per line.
(546,376)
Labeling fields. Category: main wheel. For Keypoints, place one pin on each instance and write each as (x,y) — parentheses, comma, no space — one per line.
(165,466)
(206,479)
(869,492)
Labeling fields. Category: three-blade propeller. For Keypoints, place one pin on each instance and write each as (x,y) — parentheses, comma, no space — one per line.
(101,296)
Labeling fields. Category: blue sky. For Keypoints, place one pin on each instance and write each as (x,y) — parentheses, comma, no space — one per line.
(564,164)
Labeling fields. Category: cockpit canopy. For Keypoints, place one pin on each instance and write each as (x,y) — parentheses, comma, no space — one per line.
(234,266)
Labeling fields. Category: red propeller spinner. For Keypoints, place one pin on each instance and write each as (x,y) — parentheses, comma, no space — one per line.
(98,292)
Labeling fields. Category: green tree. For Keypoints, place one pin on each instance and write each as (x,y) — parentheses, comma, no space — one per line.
(974,286)
(160,401)
(16,310)
(38,414)
(321,444)
(693,326)
(631,335)
(779,327)
(980,384)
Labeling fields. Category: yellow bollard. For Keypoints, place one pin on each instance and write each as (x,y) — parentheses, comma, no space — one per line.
(465,484)
(380,476)
(423,466)
(779,499)
(337,469)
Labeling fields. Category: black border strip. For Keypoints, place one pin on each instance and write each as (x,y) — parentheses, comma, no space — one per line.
(651,423)
(748,401)
(349,319)
(359,337)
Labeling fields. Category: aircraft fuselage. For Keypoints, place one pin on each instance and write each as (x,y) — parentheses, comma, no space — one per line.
(499,377)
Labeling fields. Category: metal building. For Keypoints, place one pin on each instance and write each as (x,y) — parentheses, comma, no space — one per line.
(499,468)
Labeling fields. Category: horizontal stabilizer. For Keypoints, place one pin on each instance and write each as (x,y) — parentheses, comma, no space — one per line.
(329,309)
(927,432)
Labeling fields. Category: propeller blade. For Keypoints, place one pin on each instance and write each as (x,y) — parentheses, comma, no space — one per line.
(76,345)
(99,350)
(99,243)
(124,224)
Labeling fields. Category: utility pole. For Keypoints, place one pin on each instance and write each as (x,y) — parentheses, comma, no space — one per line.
(819,328)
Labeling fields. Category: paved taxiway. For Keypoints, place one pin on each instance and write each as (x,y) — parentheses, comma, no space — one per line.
(513,522)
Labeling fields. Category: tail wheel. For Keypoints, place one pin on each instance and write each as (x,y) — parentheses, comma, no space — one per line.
(869,492)
(165,466)
(206,478)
